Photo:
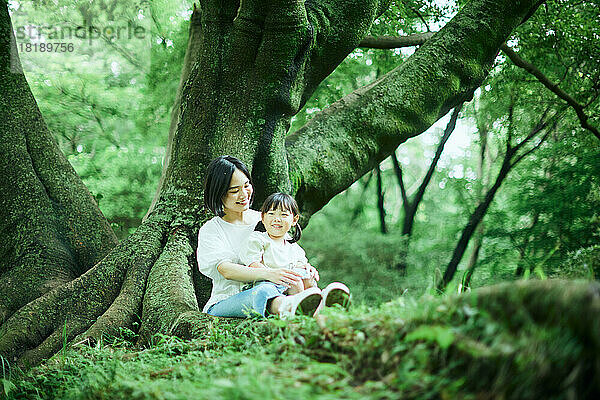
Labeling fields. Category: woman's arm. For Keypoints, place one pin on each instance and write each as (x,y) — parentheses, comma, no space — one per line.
(242,273)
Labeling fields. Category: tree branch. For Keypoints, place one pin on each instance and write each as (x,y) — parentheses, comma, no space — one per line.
(349,138)
(331,43)
(391,42)
(416,11)
(554,88)
(411,210)
(394,42)
(534,148)
(536,129)
(398,170)
(438,153)
(542,139)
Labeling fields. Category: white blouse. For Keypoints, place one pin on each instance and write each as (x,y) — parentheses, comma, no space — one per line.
(220,241)
(259,247)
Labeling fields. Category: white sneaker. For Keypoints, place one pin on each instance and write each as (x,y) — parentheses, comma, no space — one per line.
(334,293)
(303,303)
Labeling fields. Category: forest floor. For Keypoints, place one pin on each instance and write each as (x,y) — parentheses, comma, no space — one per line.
(426,348)
(398,341)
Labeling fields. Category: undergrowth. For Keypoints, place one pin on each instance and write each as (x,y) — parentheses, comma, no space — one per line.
(430,348)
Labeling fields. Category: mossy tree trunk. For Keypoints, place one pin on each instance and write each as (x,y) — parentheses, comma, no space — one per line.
(250,67)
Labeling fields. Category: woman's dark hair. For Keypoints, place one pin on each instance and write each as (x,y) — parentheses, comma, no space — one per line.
(218,178)
(284,202)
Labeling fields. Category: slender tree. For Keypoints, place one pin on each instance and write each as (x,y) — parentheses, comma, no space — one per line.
(380,201)
(483,174)
(251,65)
(513,154)
(411,205)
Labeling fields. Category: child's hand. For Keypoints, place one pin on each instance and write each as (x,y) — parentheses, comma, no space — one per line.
(296,287)
(285,277)
(312,271)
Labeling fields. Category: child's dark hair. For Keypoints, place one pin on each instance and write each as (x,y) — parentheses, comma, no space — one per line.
(218,177)
(284,202)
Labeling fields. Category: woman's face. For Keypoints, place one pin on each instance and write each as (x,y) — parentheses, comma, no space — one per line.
(237,198)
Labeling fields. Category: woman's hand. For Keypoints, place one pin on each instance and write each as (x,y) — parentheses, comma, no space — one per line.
(283,277)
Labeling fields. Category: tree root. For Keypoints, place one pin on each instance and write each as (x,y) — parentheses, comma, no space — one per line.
(170,290)
(57,340)
(126,309)
(83,299)
(193,325)
(35,274)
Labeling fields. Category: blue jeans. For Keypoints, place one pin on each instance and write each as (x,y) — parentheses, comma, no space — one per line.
(247,303)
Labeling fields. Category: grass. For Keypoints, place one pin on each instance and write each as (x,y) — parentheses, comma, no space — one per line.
(427,348)
(397,342)
(251,360)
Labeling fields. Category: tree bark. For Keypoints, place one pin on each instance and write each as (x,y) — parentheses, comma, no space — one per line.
(380,201)
(250,67)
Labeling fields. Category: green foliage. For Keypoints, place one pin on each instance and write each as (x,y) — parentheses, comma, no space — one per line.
(371,264)
(108,102)
(583,263)
(408,348)
(441,335)
(122,180)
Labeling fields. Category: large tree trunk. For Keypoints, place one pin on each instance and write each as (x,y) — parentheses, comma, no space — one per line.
(250,67)
(52,229)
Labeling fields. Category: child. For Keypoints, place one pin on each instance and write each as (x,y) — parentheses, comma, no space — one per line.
(271,246)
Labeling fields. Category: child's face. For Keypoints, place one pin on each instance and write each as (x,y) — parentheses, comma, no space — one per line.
(278,222)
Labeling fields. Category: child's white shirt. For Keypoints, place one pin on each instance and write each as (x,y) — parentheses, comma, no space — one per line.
(259,247)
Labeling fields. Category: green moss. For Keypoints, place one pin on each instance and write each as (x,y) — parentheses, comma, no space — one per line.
(170,290)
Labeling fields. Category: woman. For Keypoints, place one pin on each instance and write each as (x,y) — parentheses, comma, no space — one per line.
(228,193)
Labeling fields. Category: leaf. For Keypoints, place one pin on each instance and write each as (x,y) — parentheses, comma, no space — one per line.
(7,386)
(443,335)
